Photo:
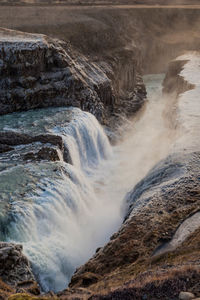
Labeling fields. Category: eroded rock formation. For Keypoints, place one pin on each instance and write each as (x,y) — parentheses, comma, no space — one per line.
(37,71)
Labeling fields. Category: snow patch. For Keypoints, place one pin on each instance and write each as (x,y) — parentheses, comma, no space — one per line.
(188,107)
(183,232)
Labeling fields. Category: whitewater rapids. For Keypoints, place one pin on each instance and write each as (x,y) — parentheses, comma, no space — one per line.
(70,210)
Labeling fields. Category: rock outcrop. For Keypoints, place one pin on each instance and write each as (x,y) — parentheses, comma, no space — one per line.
(15,269)
(48,148)
(12,138)
(37,71)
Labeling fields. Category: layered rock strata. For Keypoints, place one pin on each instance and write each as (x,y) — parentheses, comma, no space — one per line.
(37,71)
(49,147)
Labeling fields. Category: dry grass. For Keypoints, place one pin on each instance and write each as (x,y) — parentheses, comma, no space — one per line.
(159,277)
(160,284)
(5,290)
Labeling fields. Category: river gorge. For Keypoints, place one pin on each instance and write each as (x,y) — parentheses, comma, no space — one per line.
(99,158)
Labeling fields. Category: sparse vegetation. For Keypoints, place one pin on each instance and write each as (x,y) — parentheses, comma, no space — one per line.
(160,284)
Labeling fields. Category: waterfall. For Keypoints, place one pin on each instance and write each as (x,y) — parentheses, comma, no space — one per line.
(86,141)
(57,220)
(62,212)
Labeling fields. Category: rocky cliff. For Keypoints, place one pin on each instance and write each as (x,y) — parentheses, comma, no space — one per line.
(37,71)
(160,33)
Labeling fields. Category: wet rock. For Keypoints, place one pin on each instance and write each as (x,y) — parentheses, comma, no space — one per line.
(12,138)
(14,266)
(55,140)
(5,148)
(186,296)
(45,153)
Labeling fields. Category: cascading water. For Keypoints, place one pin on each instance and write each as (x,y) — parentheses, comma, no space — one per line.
(56,221)
(61,212)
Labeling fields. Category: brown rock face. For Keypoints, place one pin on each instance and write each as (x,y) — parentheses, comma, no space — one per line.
(37,71)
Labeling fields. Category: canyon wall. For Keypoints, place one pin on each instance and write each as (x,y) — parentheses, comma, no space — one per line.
(37,71)
(160,233)
(161,34)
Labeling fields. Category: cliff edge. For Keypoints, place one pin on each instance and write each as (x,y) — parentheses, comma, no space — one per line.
(37,71)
